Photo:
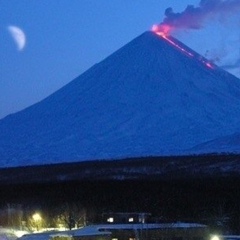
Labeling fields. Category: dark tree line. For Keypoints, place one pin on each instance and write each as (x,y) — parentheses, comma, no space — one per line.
(214,201)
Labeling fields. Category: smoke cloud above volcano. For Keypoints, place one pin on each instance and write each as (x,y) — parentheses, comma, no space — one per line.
(195,17)
(207,14)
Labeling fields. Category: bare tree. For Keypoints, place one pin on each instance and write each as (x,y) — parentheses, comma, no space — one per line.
(71,215)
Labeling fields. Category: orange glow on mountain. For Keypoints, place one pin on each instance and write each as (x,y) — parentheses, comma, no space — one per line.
(165,34)
(209,65)
(164,30)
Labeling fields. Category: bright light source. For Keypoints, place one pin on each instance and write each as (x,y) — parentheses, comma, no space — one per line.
(215,237)
(37,217)
(37,220)
(110,219)
(130,219)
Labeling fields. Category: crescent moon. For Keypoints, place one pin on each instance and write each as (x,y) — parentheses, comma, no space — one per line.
(18,36)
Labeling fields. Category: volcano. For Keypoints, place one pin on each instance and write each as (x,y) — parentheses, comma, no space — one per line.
(152,97)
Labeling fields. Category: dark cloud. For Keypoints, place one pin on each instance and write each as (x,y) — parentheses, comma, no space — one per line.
(195,17)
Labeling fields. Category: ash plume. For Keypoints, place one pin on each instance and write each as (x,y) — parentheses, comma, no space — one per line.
(195,17)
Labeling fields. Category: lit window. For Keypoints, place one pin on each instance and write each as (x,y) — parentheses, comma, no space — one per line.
(130,219)
(110,219)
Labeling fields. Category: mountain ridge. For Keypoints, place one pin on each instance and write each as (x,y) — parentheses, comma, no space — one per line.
(147,98)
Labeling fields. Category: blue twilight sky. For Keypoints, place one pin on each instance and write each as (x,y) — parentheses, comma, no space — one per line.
(66,37)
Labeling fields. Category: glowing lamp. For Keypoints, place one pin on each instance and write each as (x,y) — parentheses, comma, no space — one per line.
(215,237)
(110,219)
(37,217)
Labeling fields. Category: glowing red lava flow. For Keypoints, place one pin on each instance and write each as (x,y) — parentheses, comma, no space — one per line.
(208,64)
(174,44)
(163,31)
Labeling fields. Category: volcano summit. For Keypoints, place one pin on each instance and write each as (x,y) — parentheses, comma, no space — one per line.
(149,98)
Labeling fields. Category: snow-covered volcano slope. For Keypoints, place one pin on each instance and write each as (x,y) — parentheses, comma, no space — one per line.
(148,98)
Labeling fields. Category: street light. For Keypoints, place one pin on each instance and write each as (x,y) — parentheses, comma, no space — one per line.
(37,219)
(215,237)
